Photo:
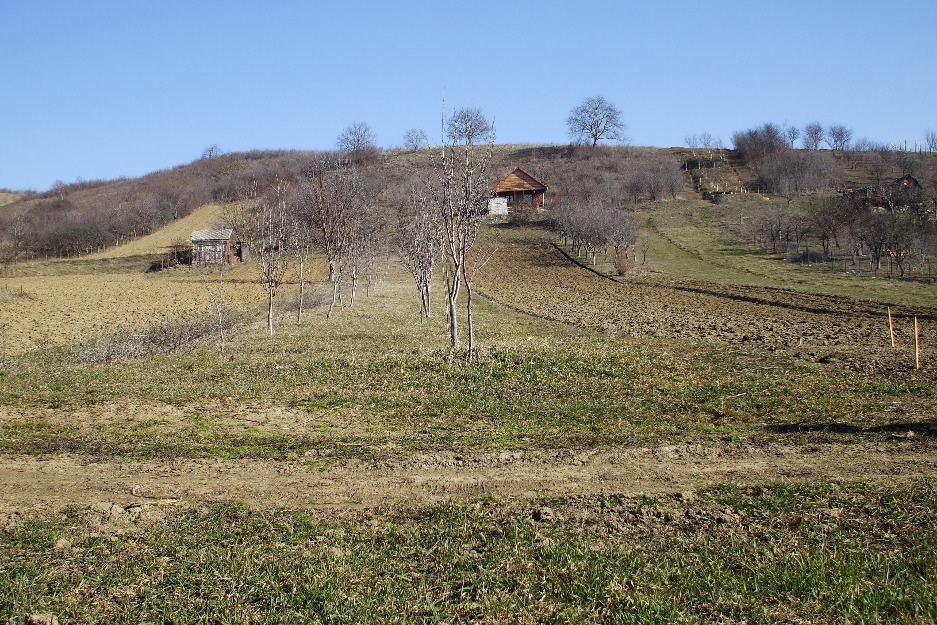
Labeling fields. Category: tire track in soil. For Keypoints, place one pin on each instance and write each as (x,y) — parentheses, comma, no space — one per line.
(43,486)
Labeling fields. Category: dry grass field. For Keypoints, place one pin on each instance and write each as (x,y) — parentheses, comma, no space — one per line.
(61,301)
(7,197)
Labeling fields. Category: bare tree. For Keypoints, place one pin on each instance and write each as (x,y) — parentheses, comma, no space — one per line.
(596,119)
(415,139)
(365,239)
(328,197)
(18,232)
(694,143)
(759,144)
(467,125)
(792,133)
(930,139)
(301,239)
(419,243)
(622,233)
(813,136)
(348,225)
(838,137)
(266,229)
(831,217)
(211,151)
(357,140)
(460,194)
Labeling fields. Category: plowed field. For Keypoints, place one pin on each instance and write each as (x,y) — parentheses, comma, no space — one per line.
(532,275)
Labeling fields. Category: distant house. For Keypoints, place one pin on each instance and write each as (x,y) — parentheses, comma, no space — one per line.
(215,247)
(517,191)
(905,192)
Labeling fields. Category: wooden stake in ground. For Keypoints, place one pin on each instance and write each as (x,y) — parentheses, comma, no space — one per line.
(917,344)
(891,327)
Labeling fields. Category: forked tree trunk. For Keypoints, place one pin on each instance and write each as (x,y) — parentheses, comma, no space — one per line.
(335,294)
(270,312)
(454,281)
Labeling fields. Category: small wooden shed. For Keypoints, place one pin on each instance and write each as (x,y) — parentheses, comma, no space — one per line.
(520,190)
(214,247)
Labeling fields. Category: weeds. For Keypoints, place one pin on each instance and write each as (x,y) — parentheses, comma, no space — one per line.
(164,337)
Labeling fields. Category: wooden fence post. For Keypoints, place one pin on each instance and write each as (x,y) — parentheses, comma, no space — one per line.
(891,328)
(917,344)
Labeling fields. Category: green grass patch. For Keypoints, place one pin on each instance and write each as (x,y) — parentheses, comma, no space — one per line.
(580,391)
(819,553)
(703,241)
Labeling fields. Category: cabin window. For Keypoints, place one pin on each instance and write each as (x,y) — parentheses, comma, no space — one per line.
(528,197)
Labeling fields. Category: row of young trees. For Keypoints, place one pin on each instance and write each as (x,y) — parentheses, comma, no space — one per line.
(595,119)
(332,208)
(839,225)
(344,209)
(593,226)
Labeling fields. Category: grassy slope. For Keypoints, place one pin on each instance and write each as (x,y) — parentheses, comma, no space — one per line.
(703,241)
(203,218)
(7,197)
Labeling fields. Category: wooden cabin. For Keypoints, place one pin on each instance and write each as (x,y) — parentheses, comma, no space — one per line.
(518,191)
(904,192)
(214,247)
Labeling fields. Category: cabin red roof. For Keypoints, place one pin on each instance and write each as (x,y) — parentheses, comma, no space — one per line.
(519,180)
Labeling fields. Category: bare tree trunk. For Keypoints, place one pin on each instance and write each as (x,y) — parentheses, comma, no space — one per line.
(302,290)
(452,296)
(217,299)
(469,326)
(335,294)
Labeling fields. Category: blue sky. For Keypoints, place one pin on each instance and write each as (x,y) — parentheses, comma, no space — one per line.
(99,89)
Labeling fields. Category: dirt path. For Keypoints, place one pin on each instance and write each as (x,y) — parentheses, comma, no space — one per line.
(31,485)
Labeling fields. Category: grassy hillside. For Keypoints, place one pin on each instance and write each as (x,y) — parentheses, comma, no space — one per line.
(8,197)
(203,218)
(718,435)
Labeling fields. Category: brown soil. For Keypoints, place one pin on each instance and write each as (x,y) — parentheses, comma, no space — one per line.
(40,486)
(541,280)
